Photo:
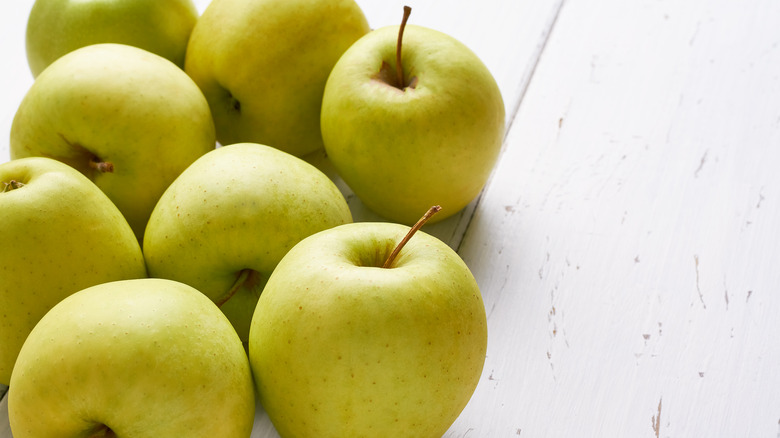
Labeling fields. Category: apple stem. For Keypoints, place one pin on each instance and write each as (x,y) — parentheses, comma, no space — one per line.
(398,68)
(11,185)
(431,211)
(243,275)
(248,278)
(101,166)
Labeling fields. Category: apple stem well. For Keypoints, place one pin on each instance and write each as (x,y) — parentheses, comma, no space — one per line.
(94,161)
(247,278)
(102,431)
(431,211)
(11,185)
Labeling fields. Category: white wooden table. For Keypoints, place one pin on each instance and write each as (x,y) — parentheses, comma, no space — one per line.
(628,243)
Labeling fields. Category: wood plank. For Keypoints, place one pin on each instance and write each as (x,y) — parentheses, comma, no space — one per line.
(627,244)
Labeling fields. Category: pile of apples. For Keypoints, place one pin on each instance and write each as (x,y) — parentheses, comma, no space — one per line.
(172,255)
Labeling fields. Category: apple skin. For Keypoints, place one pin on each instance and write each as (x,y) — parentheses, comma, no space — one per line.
(402,151)
(119,104)
(262,65)
(57,27)
(239,208)
(146,358)
(342,347)
(60,234)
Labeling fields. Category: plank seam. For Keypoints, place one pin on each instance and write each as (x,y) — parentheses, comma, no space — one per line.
(525,82)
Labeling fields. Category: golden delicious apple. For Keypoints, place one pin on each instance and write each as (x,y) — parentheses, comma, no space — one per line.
(406,136)
(225,223)
(341,346)
(128,119)
(146,358)
(262,65)
(59,234)
(56,27)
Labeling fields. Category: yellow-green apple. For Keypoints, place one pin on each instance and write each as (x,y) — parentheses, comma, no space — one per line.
(225,223)
(56,27)
(409,134)
(126,118)
(144,358)
(349,340)
(262,65)
(59,234)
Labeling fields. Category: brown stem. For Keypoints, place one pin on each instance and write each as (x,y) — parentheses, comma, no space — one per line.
(247,278)
(243,275)
(12,185)
(398,68)
(101,166)
(431,211)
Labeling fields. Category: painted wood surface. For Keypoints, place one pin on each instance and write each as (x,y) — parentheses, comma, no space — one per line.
(627,243)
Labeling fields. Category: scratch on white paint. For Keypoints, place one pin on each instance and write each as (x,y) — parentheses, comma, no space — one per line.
(656,420)
(552,366)
(760,197)
(698,288)
(545,262)
(701,163)
(695,34)
(493,379)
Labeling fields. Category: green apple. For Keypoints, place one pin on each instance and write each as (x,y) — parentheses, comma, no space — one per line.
(144,358)
(225,223)
(57,27)
(59,234)
(431,138)
(128,119)
(262,65)
(342,346)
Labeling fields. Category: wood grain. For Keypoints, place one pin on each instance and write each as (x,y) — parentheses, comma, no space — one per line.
(627,245)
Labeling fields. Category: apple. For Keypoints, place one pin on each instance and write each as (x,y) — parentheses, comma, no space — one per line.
(133,358)
(225,223)
(262,65)
(353,338)
(126,118)
(406,135)
(59,234)
(57,27)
